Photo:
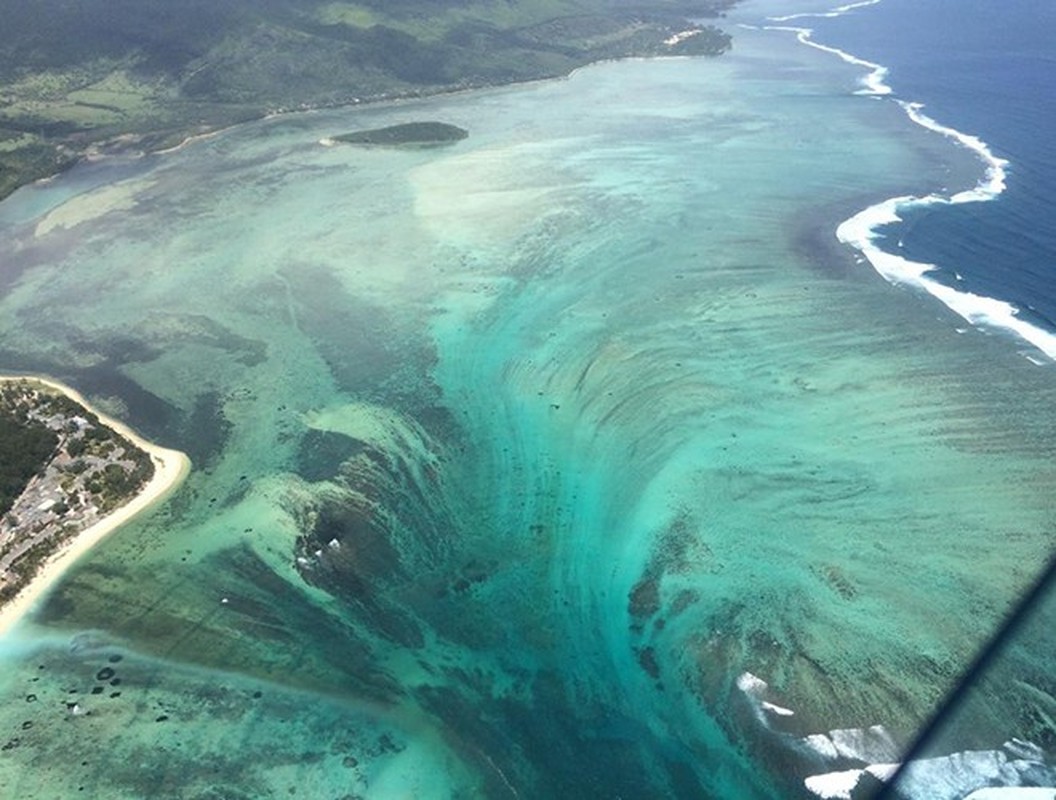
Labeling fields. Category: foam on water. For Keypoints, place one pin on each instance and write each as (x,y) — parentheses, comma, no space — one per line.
(836,12)
(872,84)
(834,785)
(511,458)
(865,758)
(863,231)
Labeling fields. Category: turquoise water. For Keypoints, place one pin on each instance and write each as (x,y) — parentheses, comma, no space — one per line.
(512,459)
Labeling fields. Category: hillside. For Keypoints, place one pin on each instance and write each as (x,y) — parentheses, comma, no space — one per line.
(82,73)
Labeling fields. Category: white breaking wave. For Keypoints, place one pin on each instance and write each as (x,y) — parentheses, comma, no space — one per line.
(834,785)
(872,84)
(836,12)
(966,775)
(846,761)
(862,230)
(994,181)
(755,689)
(1022,793)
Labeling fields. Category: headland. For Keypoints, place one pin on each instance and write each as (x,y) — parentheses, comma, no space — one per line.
(99,475)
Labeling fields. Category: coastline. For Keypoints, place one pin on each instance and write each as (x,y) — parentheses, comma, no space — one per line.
(861,231)
(129,143)
(737,476)
(170,469)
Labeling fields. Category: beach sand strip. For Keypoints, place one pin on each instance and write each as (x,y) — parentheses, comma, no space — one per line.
(170,468)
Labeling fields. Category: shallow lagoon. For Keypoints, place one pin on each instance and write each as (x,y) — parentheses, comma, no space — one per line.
(513,458)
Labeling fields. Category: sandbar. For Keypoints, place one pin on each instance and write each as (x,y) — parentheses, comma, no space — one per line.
(170,468)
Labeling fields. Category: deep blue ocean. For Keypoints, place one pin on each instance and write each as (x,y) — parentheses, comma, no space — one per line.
(987,69)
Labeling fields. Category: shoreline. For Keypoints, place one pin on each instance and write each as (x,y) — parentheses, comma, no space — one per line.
(124,144)
(170,469)
(861,230)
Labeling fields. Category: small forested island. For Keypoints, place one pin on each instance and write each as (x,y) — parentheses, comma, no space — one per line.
(61,470)
(409,135)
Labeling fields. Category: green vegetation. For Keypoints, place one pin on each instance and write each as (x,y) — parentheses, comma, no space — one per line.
(27,566)
(37,424)
(411,134)
(86,469)
(26,447)
(148,73)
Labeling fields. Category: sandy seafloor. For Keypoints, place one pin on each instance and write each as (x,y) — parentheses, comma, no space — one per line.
(513,458)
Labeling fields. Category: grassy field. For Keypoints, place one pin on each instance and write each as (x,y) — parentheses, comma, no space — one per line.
(150,72)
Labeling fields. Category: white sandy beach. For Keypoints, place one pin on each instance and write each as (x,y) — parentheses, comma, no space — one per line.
(170,468)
